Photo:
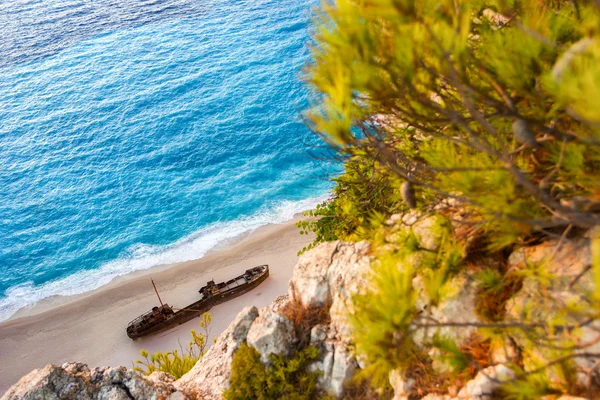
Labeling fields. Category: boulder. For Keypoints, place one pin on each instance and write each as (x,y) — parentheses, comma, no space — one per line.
(77,381)
(272,333)
(343,368)
(160,377)
(486,381)
(457,306)
(329,275)
(316,276)
(402,386)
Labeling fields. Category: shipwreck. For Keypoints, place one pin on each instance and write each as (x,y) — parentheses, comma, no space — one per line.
(165,317)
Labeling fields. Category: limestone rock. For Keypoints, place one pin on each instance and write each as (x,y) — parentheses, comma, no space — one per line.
(569,263)
(112,393)
(343,368)
(324,362)
(316,276)
(329,275)
(495,18)
(47,383)
(279,303)
(210,377)
(77,381)
(160,377)
(455,307)
(402,386)
(423,226)
(271,333)
(486,382)
(337,364)
(437,397)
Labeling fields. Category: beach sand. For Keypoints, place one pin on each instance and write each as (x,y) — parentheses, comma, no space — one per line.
(90,328)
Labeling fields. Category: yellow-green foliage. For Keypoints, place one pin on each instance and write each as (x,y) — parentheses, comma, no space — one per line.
(284,378)
(382,318)
(490,110)
(177,362)
(491,102)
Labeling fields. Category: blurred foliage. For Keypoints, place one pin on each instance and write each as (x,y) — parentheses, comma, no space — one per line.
(485,116)
(381,321)
(284,378)
(490,103)
(177,362)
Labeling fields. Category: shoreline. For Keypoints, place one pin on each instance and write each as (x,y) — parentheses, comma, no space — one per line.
(197,245)
(90,327)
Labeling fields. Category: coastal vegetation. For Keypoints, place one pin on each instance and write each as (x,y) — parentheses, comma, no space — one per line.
(481,120)
(177,362)
(284,378)
(362,195)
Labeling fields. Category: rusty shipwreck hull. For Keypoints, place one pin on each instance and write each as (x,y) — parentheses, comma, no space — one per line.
(214,294)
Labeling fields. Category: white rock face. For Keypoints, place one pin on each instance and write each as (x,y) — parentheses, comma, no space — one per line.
(402,386)
(74,381)
(336,362)
(330,274)
(210,376)
(344,366)
(271,333)
(324,363)
(485,382)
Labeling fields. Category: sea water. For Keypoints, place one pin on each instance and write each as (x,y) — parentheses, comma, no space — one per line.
(135,133)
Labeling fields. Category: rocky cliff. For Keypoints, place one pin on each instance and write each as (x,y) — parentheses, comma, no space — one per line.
(324,278)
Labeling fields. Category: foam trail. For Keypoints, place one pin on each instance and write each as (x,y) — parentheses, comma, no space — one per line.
(142,256)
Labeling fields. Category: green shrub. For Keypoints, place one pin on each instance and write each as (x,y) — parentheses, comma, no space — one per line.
(364,193)
(491,104)
(177,362)
(484,111)
(285,378)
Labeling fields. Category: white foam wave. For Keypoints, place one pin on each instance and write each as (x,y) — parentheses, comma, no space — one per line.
(142,256)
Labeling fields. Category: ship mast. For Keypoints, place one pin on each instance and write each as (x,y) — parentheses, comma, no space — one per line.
(157,295)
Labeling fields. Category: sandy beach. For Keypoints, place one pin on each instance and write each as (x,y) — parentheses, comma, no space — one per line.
(90,328)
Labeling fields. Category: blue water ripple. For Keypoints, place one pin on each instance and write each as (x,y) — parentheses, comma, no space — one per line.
(137,133)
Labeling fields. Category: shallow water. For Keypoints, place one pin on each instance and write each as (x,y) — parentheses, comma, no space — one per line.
(138,133)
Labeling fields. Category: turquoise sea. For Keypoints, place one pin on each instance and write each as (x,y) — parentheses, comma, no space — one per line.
(135,133)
